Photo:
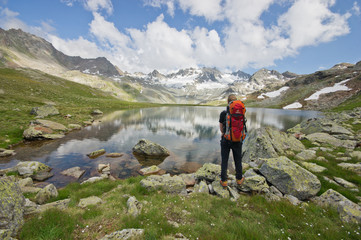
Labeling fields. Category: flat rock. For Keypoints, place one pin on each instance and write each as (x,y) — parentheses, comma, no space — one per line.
(344,183)
(96,154)
(356,154)
(6,153)
(44,111)
(325,138)
(125,234)
(30,167)
(42,176)
(313,167)
(353,167)
(73,126)
(150,170)
(50,124)
(348,210)
(166,183)
(254,183)
(74,172)
(93,200)
(306,155)
(219,190)
(114,155)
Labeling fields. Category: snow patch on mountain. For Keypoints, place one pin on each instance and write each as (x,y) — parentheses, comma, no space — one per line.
(273,94)
(337,87)
(294,105)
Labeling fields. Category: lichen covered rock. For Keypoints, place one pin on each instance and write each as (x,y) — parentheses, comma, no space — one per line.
(12,204)
(166,183)
(150,149)
(290,178)
(208,172)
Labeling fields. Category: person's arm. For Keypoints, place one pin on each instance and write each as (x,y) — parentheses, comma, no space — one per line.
(221,128)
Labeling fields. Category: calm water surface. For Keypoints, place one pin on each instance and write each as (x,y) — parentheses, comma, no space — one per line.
(190,133)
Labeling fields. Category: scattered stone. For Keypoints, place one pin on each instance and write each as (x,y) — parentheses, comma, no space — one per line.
(324,149)
(202,187)
(255,183)
(93,200)
(275,191)
(313,167)
(42,176)
(149,170)
(46,193)
(30,189)
(12,204)
(96,179)
(325,138)
(343,159)
(353,167)
(87,123)
(68,116)
(134,207)
(6,153)
(53,136)
(330,180)
(114,155)
(349,211)
(96,154)
(165,182)
(306,155)
(356,154)
(33,208)
(73,126)
(344,183)
(150,149)
(219,190)
(26,182)
(189,179)
(293,200)
(268,142)
(290,178)
(125,234)
(74,172)
(97,112)
(321,159)
(208,172)
(44,111)
(104,168)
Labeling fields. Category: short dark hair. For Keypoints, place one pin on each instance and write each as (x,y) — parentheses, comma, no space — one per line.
(231,98)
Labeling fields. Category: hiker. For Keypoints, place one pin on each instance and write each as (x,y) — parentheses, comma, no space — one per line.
(232,137)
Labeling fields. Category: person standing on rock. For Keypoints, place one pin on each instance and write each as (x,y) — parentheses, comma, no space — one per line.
(232,124)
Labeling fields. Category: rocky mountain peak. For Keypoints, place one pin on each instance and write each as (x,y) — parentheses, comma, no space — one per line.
(265,75)
(342,66)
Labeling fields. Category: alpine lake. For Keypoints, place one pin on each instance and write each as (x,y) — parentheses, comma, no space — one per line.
(191,134)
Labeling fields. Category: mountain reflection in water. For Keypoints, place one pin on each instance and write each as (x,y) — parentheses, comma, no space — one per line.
(191,134)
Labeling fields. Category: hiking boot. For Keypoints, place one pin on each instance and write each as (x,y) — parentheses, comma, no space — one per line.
(224,184)
(240,181)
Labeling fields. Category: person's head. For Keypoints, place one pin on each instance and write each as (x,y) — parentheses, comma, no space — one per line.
(231,98)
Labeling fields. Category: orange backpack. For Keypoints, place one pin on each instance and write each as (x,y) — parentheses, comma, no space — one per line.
(236,130)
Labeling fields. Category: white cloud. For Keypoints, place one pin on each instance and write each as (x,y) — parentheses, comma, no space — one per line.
(96,5)
(310,22)
(244,41)
(162,47)
(356,9)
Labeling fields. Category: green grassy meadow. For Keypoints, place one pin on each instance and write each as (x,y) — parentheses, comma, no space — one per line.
(23,89)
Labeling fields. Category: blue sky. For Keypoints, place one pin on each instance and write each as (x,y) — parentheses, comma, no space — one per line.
(300,36)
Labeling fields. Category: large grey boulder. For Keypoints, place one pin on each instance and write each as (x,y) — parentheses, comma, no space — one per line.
(290,178)
(44,111)
(35,132)
(50,124)
(349,211)
(125,234)
(325,138)
(148,148)
(269,142)
(166,183)
(12,204)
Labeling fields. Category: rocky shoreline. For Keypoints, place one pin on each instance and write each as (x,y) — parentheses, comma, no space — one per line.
(278,166)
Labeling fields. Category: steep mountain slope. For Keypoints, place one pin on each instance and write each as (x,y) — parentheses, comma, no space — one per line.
(321,90)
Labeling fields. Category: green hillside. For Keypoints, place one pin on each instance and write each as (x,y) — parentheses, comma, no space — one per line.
(23,89)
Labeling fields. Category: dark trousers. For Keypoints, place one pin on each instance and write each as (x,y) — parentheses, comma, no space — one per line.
(226,147)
